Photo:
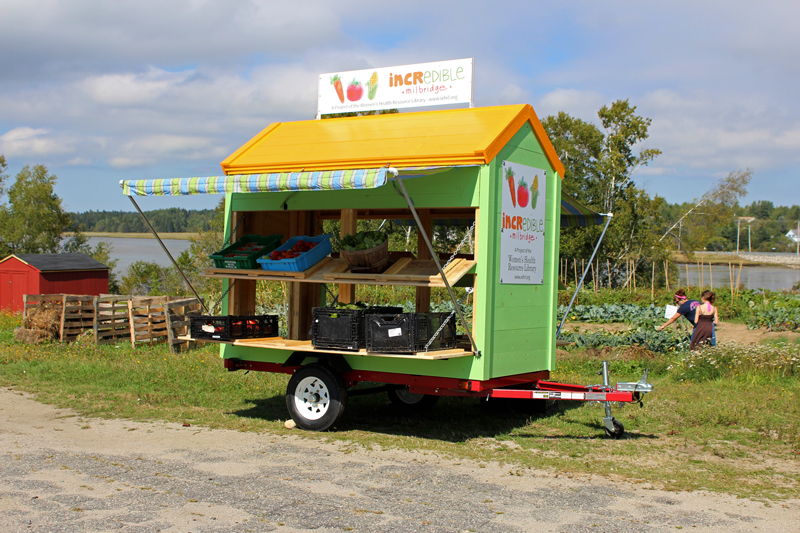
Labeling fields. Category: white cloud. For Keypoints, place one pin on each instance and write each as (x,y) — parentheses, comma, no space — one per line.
(582,104)
(30,142)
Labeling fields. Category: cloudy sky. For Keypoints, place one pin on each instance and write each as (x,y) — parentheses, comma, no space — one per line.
(101,91)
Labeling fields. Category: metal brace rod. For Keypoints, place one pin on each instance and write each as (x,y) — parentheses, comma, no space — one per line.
(153,231)
(580,283)
(399,182)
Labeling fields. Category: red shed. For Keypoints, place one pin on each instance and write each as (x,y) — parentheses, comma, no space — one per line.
(49,274)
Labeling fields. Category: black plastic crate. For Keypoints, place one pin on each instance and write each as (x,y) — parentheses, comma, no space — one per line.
(343,329)
(228,328)
(409,332)
(217,328)
(254,327)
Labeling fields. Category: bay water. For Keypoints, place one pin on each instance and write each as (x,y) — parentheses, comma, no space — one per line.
(127,250)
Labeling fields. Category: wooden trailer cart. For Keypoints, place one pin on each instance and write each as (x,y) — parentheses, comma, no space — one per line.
(493,167)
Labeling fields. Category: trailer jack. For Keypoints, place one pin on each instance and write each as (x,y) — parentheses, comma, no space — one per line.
(613,427)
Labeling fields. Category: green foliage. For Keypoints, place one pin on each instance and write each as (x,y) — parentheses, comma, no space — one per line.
(644,336)
(363,240)
(33,221)
(608,313)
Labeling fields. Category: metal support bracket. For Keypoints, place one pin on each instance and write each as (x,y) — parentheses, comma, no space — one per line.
(402,189)
(153,231)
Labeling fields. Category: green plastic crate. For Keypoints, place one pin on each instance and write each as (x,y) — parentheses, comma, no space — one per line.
(245,252)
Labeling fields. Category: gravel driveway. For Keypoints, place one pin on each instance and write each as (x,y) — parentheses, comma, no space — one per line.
(64,473)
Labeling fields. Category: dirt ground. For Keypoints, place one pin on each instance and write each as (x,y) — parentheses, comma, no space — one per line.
(726,332)
(65,473)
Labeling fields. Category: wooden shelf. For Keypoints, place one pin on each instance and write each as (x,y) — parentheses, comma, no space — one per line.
(404,271)
(279,343)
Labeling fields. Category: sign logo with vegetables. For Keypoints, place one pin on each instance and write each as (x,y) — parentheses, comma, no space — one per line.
(522,224)
(446,82)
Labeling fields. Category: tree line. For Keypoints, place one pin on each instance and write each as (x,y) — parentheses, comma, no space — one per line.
(170,220)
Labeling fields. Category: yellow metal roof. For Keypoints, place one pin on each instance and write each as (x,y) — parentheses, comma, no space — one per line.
(431,138)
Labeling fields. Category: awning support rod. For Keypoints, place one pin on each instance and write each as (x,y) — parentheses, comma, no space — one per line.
(435,257)
(153,231)
(580,283)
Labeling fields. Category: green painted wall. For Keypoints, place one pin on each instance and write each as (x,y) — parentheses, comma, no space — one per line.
(515,323)
(518,321)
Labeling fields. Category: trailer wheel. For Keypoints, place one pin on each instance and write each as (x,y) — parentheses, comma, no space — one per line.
(619,429)
(316,398)
(411,401)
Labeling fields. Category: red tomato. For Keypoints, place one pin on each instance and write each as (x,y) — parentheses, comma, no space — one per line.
(355,91)
(523,195)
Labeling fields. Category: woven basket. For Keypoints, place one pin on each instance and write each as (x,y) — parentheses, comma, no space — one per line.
(375,260)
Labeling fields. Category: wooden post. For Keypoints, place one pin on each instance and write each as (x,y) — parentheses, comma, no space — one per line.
(63,312)
(423,304)
(633,269)
(710,277)
(700,275)
(583,266)
(608,272)
(739,277)
(349,218)
(575,270)
(594,278)
(599,282)
(131,324)
(653,284)
(687,275)
(730,274)
(666,274)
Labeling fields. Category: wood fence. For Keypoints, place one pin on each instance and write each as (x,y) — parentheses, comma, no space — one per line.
(115,319)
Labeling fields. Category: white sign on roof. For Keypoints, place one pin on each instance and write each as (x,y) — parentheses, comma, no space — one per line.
(424,84)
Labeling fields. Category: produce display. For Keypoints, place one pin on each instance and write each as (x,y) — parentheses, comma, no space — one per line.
(297,254)
(247,249)
(244,253)
(298,248)
(363,240)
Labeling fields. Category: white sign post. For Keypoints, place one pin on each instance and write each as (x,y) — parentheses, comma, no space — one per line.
(424,84)
(524,190)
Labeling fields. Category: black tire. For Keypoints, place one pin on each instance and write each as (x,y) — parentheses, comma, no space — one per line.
(316,398)
(619,429)
(410,402)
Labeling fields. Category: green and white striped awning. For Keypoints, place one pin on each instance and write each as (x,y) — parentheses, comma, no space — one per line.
(328,180)
(325,180)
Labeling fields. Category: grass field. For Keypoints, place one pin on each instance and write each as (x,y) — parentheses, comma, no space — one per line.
(726,420)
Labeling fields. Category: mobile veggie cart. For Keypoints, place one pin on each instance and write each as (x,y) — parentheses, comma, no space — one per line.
(493,167)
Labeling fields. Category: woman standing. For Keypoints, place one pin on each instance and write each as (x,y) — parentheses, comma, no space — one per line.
(705,318)
(686,308)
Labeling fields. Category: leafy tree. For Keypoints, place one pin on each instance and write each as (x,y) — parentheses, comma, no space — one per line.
(618,159)
(3,167)
(709,215)
(34,220)
(598,172)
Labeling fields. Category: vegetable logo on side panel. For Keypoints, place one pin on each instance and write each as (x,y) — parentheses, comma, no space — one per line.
(522,229)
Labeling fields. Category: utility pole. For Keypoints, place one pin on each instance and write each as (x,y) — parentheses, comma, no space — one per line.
(798,237)
(748,238)
(738,231)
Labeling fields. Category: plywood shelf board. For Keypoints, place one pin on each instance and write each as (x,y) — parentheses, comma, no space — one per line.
(279,343)
(405,271)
